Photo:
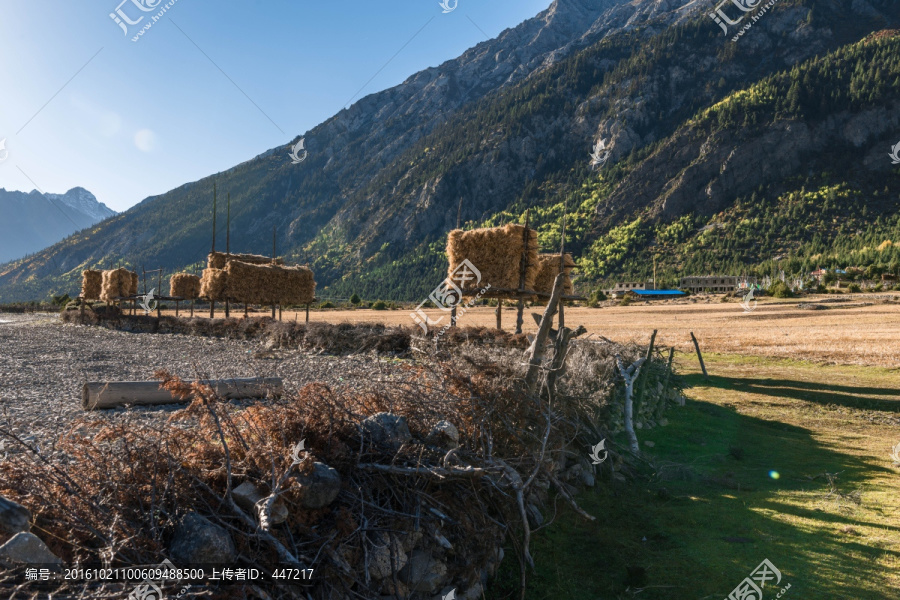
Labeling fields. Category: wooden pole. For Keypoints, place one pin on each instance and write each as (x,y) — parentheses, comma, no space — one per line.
(177,307)
(562,261)
(274,254)
(109,394)
(523,267)
(279,312)
(499,313)
(307,313)
(700,356)
(159,287)
(536,352)
(639,395)
(192,307)
(453,310)
(212,303)
(665,391)
(228,249)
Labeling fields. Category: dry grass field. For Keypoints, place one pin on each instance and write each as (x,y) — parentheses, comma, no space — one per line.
(852,335)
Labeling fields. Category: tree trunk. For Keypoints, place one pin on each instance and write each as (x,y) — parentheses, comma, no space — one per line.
(98,394)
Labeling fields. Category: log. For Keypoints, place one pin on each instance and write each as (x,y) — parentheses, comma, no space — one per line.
(700,356)
(535,353)
(14,518)
(97,395)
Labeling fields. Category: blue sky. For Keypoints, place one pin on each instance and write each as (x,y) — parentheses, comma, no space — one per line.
(83,105)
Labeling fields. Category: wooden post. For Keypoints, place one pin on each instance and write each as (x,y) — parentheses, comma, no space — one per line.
(499,313)
(536,352)
(228,249)
(246,309)
(523,267)
(700,356)
(192,307)
(177,307)
(662,404)
(274,254)
(279,312)
(212,303)
(639,395)
(159,287)
(562,262)
(307,313)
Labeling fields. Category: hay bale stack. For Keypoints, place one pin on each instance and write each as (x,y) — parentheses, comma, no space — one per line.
(219,260)
(91,284)
(115,284)
(184,285)
(270,284)
(497,253)
(133,290)
(214,284)
(548,269)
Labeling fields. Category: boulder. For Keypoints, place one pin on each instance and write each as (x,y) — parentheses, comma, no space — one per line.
(319,488)
(385,429)
(247,495)
(444,435)
(14,518)
(27,548)
(424,573)
(197,540)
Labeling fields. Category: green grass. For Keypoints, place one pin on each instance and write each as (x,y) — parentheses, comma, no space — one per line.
(706,511)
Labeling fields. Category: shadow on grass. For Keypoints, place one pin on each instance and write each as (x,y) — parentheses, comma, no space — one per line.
(696,531)
(849,396)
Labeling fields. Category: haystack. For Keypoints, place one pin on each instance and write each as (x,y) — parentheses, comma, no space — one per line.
(548,269)
(218,260)
(270,284)
(184,285)
(214,284)
(91,284)
(497,253)
(133,290)
(116,284)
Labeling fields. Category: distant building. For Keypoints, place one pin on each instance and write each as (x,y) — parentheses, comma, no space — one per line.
(818,274)
(620,288)
(720,284)
(654,294)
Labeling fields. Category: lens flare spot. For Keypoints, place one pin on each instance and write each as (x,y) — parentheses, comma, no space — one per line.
(774,474)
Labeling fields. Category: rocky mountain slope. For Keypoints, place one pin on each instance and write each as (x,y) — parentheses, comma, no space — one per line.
(509,126)
(33,221)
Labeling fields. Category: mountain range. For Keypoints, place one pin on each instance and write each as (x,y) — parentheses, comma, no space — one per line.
(32,221)
(722,154)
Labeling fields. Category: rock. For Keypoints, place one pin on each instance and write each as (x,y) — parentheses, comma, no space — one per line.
(385,429)
(424,573)
(14,518)
(247,495)
(381,555)
(649,444)
(409,540)
(29,549)
(197,540)
(319,488)
(444,434)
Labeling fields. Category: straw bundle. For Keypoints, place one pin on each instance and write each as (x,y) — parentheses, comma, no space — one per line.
(184,285)
(91,284)
(270,284)
(497,253)
(214,284)
(115,284)
(133,290)
(218,260)
(548,269)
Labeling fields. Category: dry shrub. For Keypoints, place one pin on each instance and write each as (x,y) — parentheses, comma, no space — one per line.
(91,284)
(184,285)
(214,284)
(270,284)
(548,269)
(219,260)
(497,253)
(116,284)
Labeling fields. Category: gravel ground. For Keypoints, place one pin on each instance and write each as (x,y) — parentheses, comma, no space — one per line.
(44,363)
